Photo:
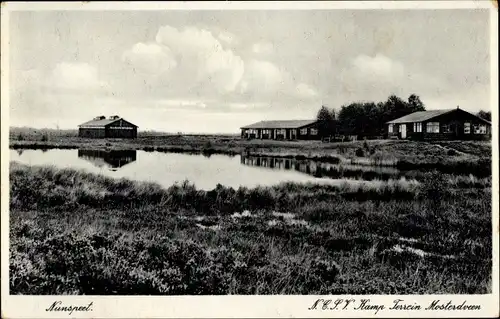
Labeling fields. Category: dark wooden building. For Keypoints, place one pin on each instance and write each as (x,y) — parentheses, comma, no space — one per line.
(112,127)
(282,130)
(440,124)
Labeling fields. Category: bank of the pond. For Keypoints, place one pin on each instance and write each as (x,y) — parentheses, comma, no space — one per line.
(456,157)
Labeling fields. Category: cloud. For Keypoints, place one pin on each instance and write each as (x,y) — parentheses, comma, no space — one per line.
(182,103)
(151,58)
(378,66)
(264,80)
(305,90)
(202,58)
(75,77)
(263,48)
(189,71)
(262,76)
(63,93)
(199,63)
(227,38)
(474,99)
(249,105)
(376,77)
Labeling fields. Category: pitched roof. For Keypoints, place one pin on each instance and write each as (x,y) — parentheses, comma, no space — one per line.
(101,123)
(419,116)
(98,122)
(279,124)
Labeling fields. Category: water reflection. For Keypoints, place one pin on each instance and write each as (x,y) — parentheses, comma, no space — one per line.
(111,159)
(321,169)
(168,168)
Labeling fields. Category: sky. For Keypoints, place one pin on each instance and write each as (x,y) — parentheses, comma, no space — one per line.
(215,71)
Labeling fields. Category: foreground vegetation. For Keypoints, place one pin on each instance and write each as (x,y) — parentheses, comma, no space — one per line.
(77,233)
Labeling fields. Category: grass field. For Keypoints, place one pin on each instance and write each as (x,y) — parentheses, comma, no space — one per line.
(77,233)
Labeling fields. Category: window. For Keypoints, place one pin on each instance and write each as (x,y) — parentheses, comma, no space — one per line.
(417,127)
(252,131)
(391,128)
(479,129)
(433,127)
(121,128)
(446,128)
(303,131)
(314,131)
(266,132)
(466,128)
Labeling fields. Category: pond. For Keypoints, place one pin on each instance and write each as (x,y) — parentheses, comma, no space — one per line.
(205,172)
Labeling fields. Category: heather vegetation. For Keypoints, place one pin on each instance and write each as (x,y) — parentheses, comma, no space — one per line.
(73,232)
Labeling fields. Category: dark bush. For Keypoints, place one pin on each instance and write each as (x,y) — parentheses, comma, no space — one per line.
(366,146)
(435,187)
(360,152)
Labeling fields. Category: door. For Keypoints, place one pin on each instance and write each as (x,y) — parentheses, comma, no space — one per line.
(454,129)
(403,130)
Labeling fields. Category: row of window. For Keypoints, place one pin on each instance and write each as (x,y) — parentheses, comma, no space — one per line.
(313,131)
(303,131)
(121,128)
(433,127)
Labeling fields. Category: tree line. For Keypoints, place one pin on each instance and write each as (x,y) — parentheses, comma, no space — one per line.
(369,118)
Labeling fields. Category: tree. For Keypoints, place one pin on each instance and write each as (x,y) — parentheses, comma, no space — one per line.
(484,115)
(397,107)
(368,118)
(326,119)
(415,103)
(324,114)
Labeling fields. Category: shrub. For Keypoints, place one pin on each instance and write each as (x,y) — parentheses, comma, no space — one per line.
(360,152)
(366,146)
(435,187)
(207,149)
(207,145)
(45,137)
(20,137)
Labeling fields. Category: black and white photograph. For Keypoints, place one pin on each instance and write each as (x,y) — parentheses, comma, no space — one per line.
(266,151)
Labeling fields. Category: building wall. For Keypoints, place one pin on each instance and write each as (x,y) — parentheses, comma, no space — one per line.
(91,132)
(121,133)
(282,134)
(121,129)
(454,122)
(305,133)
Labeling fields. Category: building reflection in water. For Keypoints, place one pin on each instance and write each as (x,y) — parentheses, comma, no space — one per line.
(307,167)
(321,169)
(110,159)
